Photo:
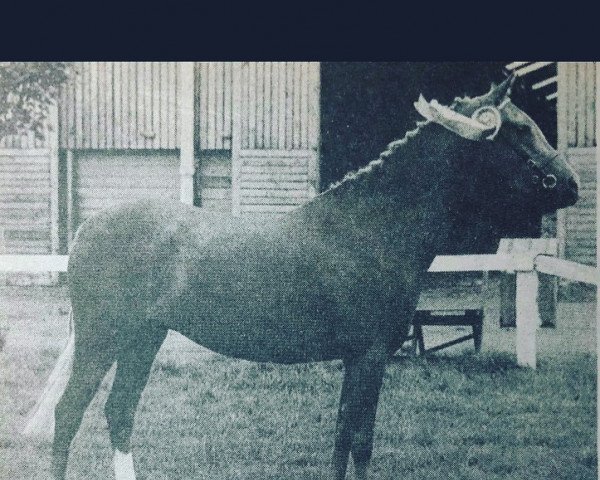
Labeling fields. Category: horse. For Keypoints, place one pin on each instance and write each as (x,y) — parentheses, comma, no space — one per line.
(338,278)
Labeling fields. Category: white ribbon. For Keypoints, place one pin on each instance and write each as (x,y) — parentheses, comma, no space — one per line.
(484,124)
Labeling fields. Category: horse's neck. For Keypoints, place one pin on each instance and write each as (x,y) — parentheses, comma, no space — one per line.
(399,212)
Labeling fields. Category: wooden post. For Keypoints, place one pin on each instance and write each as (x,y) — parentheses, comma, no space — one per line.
(186,152)
(3,319)
(70,199)
(3,276)
(508,287)
(547,290)
(597,64)
(52,132)
(562,144)
(236,139)
(315,125)
(527,317)
(547,300)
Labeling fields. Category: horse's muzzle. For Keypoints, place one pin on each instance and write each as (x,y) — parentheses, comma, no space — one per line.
(570,193)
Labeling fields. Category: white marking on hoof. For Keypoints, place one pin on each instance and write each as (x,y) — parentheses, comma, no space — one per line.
(123,466)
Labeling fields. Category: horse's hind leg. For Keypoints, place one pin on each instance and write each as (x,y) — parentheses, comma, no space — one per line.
(134,361)
(363,377)
(92,360)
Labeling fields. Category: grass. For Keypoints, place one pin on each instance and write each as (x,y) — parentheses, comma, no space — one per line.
(205,416)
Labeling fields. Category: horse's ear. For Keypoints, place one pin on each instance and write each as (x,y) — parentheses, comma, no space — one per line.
(498,93)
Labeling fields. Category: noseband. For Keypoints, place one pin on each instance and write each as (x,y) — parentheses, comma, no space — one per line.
(547,180)
(538,174)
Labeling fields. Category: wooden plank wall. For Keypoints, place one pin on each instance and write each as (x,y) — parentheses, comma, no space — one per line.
(213,98)
(580,219)
(277,168)
(24,142)
(103,179)
(278,105)
(25,201)
(576,111)
(29,198)
(213,181)
(275,181)
(279,102)
(120,105)
(580,92)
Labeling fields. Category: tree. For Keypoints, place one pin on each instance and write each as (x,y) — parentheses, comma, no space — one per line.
(27,89)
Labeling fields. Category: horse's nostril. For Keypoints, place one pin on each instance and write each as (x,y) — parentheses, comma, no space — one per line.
(573,185)
(549,181)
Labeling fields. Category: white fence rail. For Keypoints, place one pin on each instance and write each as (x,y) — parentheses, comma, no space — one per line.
(567,269)
(33,263)
(525,266)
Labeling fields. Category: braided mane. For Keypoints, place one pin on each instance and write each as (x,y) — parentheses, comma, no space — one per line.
(375,167)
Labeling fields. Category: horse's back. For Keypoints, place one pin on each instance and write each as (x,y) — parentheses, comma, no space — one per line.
(120,256)
(137,228)
(138,250)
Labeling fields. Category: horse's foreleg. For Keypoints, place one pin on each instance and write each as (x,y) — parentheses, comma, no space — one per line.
(343,430)
(362,442)
(90,365)
(134,362)
(356,417)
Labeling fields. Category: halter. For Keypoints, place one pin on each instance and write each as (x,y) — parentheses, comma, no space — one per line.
(548,180)
(477,127)
(490,115)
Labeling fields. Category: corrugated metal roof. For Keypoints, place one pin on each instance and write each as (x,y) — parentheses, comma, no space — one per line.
(546,70)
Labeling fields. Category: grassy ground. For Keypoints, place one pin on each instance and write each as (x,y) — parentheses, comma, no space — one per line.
(203,416)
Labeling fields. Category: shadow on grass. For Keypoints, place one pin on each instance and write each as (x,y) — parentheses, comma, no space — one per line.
(466,363)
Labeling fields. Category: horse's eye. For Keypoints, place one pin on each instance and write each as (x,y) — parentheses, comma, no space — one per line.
(521,127)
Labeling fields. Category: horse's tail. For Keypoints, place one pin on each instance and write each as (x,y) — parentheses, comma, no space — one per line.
(41,421)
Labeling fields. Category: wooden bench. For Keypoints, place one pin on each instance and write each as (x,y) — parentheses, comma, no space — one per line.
(470,318)
(454,309)
(449,300)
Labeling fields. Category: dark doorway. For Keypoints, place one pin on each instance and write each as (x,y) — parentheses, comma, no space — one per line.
(366,105)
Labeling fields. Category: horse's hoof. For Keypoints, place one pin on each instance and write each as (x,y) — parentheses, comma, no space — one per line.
(123,463)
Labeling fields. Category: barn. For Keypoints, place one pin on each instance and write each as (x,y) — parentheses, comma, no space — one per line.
(248,138)
(576,131)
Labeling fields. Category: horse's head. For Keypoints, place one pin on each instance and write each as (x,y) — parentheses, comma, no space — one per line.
(512,152)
